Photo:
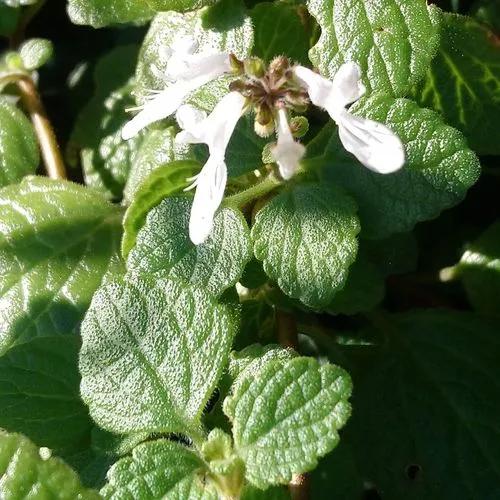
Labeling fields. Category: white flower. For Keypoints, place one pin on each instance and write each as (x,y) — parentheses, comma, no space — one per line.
(215,130)
(376,146)
(287,153)
(188,72)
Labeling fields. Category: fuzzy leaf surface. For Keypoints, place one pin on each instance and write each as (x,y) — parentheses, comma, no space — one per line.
(439,169)
(163,248)
(393,41)
(59,241)
(306,238)
(287,416)
(152,354)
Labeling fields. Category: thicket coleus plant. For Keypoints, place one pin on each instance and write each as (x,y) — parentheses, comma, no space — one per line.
(149,336)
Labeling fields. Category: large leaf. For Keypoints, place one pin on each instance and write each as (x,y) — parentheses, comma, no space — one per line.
(160,469)
(306,238)
(28,472)
(479,269)
(152,354)
(224,27)
(18,145)
(106,158)
(286,415)
(393,41)
(439,170)
(157,150)
(99,13)
(431,383)
(463,82)
(163,248)
(164,181)
(39,393)
(179,5)
(58,241)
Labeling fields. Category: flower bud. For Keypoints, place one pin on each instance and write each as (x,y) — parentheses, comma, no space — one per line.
(299,125)
(254,67)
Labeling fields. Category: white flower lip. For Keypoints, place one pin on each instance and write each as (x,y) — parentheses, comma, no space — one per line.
(188,72)
(287,152)
(215,130)
(376,146)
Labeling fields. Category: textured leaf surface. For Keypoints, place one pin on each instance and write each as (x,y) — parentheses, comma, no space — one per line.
(58,242)
(224,27)
(287,416)
(159,469)
(99,13)
(106,158)
(439,170)
(179,5)
(479,269)
(433,381)
(164,181)
(18,146)
(163,247)
(39,393)
(463,82)
(306,238)
(152,354)
(156,151)
(279,31)
(24,473)
(392,40)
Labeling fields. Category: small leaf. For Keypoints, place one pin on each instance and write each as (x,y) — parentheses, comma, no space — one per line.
(39,393)
(59,241)
(98,13)
(463,82)
(27,472)
(287,416)
(393,41)
(18,145)
(152,354)
(439,170)
(279,30)
(163,247)
(157,150)
(36,52)
(479,269)
(164,181)
(306,238)
(158,469)
(225,27)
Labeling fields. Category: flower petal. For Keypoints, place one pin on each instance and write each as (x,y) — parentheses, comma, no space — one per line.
(319,88)
(210,186)
(376,146)
(347,84)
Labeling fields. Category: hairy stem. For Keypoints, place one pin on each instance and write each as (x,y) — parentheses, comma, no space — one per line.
(51,154)
(256,191)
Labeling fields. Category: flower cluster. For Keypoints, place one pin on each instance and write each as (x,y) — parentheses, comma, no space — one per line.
(272,93)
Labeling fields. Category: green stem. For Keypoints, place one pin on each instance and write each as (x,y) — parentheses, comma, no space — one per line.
(256,191)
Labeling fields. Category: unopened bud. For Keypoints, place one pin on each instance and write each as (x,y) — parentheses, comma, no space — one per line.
(14,61)
(237,66)
(279,65)
(298,101)
(263,130)
(254,67)
(299,125)
(267,155)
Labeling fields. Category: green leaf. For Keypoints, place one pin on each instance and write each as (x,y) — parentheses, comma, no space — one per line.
(479,269)
(8,19)
(152,354)
(158,469)
(164,181)
(179,5)
(279,30)
(225,27)
(431,383)
(287,416)
(463,82)
(163,248)
(18,145)
(439,170)
(36,52)
(106,158)
(156,151)
(99,13)
(306,238)
(59,241)
(39,393)
(393,41)
(27,472)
